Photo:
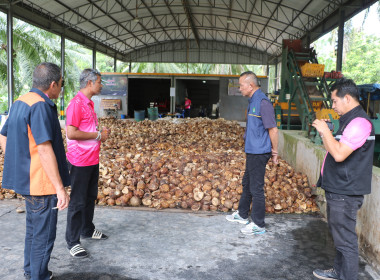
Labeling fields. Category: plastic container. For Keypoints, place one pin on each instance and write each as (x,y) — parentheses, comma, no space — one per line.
(295,45)
(153,113)
(313,70)
(139,115)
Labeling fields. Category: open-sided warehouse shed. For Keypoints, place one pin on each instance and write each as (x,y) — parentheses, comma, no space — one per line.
(197,31)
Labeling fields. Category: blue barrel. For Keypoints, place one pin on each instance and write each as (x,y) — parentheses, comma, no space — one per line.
(139,115)
(153,113)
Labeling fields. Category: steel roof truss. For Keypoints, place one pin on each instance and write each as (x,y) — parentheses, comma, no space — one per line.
(154,17)
(269,19)
(174,18)
(294,17)
(249,18)
(98,38)
(186,7)
(131,15)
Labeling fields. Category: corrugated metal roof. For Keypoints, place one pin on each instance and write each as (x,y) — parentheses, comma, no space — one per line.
(244,30)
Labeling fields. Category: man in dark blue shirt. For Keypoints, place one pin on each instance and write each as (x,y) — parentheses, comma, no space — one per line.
(261,140)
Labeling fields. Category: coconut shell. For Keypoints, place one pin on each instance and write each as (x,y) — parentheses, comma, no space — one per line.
(228,203)
(215,201)
(196,206)
(188,189)
(198,196)
(135,201)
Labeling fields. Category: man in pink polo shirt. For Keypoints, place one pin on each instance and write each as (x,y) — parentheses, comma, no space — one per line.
(345,176)
(83,146)
(187,107)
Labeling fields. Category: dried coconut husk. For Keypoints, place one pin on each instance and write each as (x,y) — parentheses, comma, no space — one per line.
(200,154)
(135,201)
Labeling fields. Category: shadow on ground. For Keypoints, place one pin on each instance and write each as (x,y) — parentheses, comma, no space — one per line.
(90,276)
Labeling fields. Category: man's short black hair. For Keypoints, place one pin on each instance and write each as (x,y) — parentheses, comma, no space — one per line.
(346,86)
(44,74)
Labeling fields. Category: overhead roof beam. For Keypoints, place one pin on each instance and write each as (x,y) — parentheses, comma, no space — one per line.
(159,23)
(43,19)
(186,7)
(142,25)
(236,54)
(306,14)
(174,18)
(300,12)
(122,26)
(266,25)
(248,20)
(89,20)
(352,7)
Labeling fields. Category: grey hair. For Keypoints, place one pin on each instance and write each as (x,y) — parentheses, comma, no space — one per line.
(88,75)
(250,76)
(44,74)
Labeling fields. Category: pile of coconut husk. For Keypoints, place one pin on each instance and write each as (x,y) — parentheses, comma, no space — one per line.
(195,164)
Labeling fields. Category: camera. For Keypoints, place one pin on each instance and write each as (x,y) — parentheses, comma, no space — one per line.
(330,125)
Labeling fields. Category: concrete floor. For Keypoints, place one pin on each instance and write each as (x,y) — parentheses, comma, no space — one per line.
(176,244)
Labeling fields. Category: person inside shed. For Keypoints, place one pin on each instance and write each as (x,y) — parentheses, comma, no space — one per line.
(261,141)
(83,146)
(35,166)
(187,107)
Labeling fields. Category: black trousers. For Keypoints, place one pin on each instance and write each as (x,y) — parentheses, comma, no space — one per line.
(341,217)
(253,188)
(80,213)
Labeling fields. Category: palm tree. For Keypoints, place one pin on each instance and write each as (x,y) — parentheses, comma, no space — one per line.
(32,46)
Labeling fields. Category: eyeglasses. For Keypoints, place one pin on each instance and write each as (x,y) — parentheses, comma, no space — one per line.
(91,71)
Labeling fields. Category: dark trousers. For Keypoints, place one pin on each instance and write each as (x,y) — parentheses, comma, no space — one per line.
(253,188)
(41,227)
(80,213)
(341,217)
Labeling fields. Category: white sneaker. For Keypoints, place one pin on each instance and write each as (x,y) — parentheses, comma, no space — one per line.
(252,229)
(235,217)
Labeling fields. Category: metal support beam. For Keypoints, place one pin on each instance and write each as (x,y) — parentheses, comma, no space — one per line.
(63,76)
(172,98)
(10,57)
(328,18)
(308,42)
(186,7)
(275,75)
(339,55)
(94,58)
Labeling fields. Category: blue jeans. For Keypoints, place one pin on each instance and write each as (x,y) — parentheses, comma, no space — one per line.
(41,227)
(341,218)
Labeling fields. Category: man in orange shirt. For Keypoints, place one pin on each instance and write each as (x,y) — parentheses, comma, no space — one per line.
(35,166)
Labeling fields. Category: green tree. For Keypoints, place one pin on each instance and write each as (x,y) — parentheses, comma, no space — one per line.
(362,62)
(31,46)
(104,63)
